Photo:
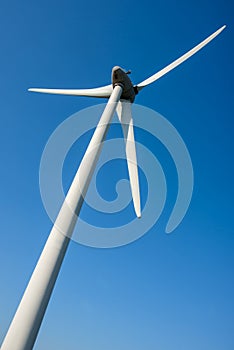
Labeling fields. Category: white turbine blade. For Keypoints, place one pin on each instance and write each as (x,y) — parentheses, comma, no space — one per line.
(104,91)
(125,116)
(174,64)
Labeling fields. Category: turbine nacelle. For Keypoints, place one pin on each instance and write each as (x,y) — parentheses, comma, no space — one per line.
(120,77)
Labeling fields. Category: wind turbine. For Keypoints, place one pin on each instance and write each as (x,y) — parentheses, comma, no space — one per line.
(26,323)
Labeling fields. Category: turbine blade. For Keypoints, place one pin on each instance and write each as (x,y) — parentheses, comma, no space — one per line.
(125,117)
(103,92)
(180,60)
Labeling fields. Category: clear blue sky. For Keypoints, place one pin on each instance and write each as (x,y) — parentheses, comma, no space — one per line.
(165,292)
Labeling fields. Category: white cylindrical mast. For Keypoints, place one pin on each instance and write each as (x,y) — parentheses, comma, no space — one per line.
(25,325)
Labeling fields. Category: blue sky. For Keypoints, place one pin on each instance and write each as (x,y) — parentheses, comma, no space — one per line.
(162,291)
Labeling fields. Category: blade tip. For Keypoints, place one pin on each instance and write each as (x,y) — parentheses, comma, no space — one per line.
(138,214)
(222,28)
